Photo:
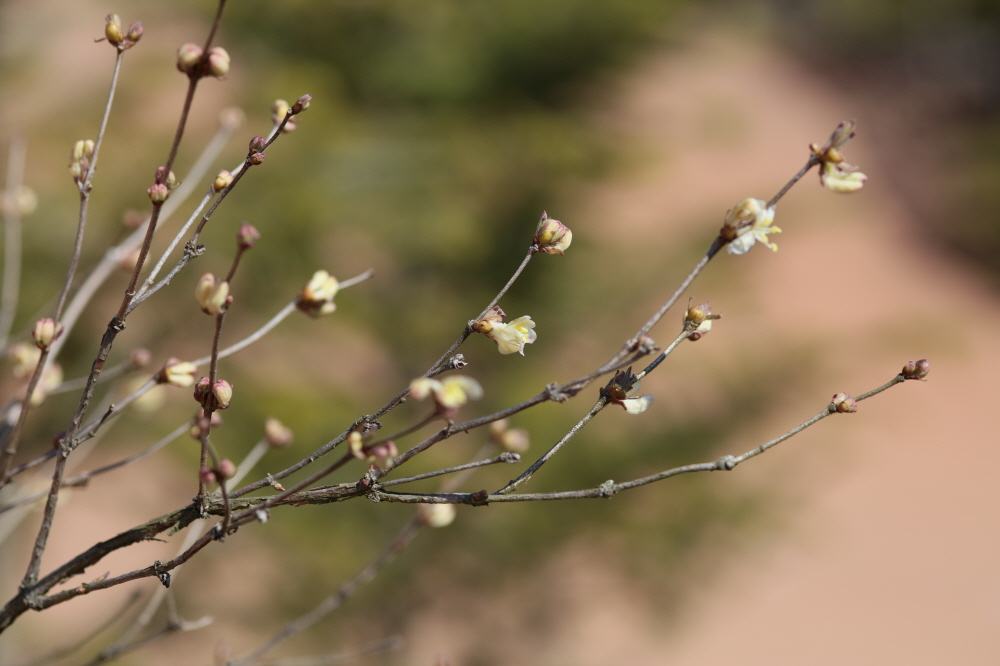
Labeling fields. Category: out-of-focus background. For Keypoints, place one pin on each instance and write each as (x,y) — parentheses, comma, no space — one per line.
(438,133)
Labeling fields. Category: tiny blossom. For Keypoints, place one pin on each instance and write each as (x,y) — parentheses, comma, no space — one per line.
(436,515)
(24,357)
(552,236)
(22,203)
(841,178)
(450,393)
(835,174)
(178,373)
(511,336)
(276,433)
(51,378)
(748,222)
(212,295)
(316,298)
(515,440)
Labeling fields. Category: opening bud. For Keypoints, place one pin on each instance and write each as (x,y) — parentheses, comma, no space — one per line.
(212,295)
(316,298)
(177,373)
(256,159)
(134,33)
(844,404)
(552,236)
(222,181)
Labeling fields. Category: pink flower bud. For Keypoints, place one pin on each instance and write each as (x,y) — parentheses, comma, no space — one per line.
(257,144)
(135,32)
(158,193)
(256,159)
(844,403)
(916,369)
(223,392)
(276,433)
(218,62)
(247,236)
(226,469)
(552,236)
(201,390)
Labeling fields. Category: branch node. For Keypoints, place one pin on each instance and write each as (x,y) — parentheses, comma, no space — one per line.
(608,489)
(553,393)
(726,463)
(480,498)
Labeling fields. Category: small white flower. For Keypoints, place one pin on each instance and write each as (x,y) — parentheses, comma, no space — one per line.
(749,222)
(449,393)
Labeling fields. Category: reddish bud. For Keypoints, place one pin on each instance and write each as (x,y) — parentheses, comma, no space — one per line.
(257,144)
(158,193)
(301,104)
(247,236)
(916,369)
(256,159)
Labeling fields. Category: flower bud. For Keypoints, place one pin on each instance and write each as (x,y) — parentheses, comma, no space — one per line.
(301,104)
(552,236)
(207,476)
(382,455)
(23,203)
(257,144)
(256,159)
(510,439)
(212,295)
(177,373)
(24,358)
(218,62)
(276,433)
(139,358)
(436,515)
(201,390)
(222,181)
(113,29)
(226,469)
(46,332)
(168,178)
(844,403)
(247,236)
(223,393)
(189,58)
(134,33)
(158,193)
(279,108)
(916,369)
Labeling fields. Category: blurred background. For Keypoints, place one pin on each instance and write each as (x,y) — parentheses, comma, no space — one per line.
(438,134)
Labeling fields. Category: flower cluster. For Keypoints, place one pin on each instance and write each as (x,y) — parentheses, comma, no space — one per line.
(511,336)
